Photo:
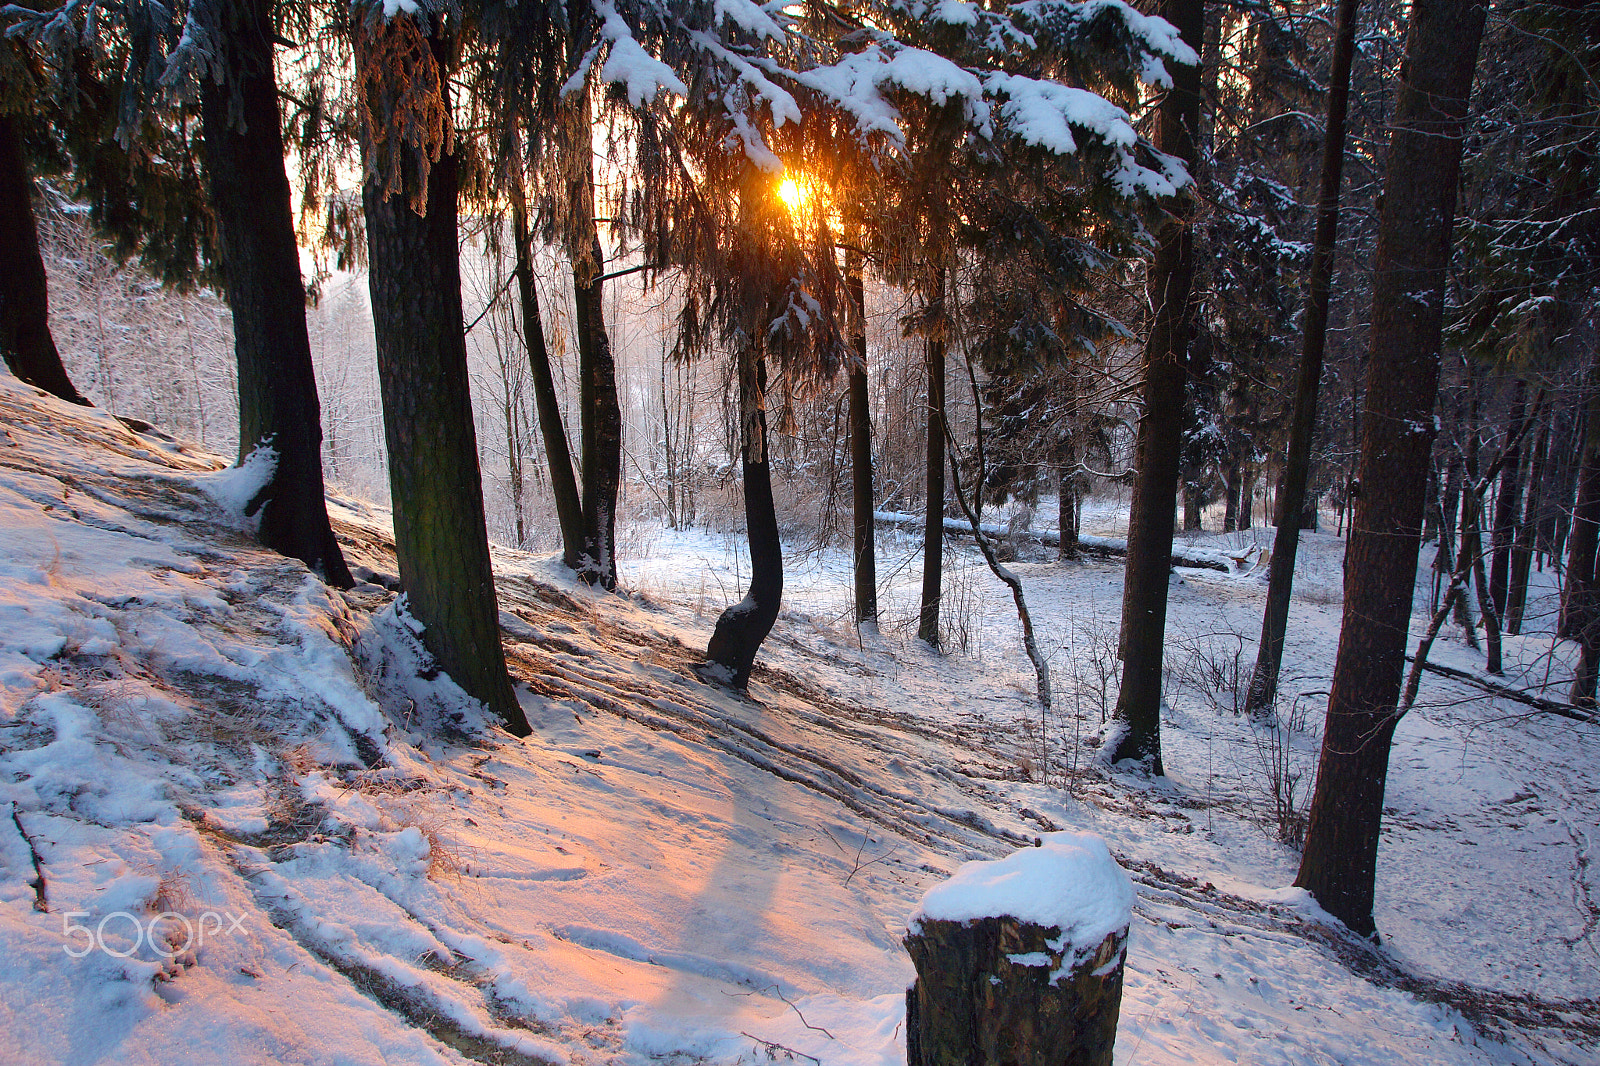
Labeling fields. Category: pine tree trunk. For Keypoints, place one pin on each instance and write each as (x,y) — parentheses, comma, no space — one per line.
(1506,500)
(1191,508)
(863,527)
(1149,566)
(731,655)
(933,526)
(563,484)
(1339,864)
(250,198)
(25,340)
(440,537)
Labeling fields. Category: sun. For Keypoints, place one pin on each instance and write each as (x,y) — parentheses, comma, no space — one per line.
(792,193)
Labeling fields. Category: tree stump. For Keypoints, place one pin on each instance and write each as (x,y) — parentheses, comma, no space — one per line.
(1019,961)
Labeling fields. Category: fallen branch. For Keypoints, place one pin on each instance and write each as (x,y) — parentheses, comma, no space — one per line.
(1112,547)
(40,903)
(1497,689)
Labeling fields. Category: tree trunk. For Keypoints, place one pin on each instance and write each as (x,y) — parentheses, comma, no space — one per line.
(1522,544)
(1339,863)
(1001,991)
(1505,504)
(1230,506)
(1247,495)
(1067,510)
(1191,508)
(933,530)
(599,411)
(25,340)
(1314,340)
(1144,590)
(741,628)
(1580,599)
(278,406)
(440,536)
(563,484)
(863,527)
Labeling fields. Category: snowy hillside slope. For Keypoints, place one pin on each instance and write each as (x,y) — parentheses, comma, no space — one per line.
(240,825)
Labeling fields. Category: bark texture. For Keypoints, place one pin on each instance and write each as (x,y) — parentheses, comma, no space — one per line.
(25,339)
(1144,595)
(933,528)
(599,410)
(731,655)
(973,1004)
(440,536)
(864,528)
(250,197)
(1339,863)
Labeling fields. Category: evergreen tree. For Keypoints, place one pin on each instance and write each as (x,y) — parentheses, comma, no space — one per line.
(278,406)
(403,70)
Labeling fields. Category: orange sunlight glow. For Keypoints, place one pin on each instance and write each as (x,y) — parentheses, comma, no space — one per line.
(792,193)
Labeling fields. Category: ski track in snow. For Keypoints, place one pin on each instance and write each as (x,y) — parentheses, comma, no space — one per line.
(668,872)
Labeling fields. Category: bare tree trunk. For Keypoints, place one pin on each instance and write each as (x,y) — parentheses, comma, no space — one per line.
(1230,512)
(933,528)
(563,484)
(731,655)
(415,280)
(1144,595)
(1247,495)
(1297,464)
(1506,500)
(1339,864)
(278,406)
(861,496)
(1522,544)
(25,340)
(1580,599)
(599,410)
(1580,605)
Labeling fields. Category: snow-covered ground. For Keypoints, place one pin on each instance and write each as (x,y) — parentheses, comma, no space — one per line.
(239,826)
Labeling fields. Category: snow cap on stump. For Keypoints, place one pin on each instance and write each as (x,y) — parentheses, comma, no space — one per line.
(1019,960)
(1070,882)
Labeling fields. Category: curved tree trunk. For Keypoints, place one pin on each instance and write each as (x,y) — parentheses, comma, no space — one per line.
(1144,595)
(731,655)
(558,458)
(25,340)
(864,528)
(1339,864)
(250,196)
(1297,464)
(440,536)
